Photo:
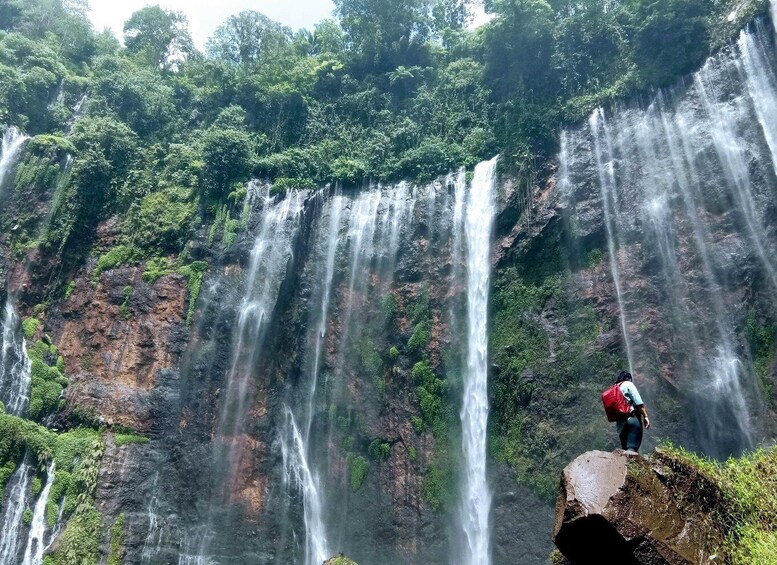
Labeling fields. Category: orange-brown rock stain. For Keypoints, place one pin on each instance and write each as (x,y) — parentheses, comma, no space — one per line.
(113,361)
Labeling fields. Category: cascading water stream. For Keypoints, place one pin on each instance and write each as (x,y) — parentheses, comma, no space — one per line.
(476,504)
(722,127)
(298,472)
(14,364)
(270,255)
(33,553)
(605,164)
(295,446)
(13,141)
(761,83)
(686,187)
(15,502)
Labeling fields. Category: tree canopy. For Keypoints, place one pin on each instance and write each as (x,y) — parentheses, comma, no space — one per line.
(386,90)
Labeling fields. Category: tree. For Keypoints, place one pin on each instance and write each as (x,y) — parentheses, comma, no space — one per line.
(382,35)
(226,156)
(247,39)
(158,36)
(671,38)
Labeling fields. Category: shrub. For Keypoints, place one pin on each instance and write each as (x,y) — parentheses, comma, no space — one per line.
(282,185)
(358,467)
(163,221)
(379,450)
(119,255)
(29,327)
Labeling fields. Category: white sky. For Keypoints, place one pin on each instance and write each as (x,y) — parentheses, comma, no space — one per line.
(206,15)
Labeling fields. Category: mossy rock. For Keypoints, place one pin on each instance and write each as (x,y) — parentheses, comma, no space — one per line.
(340,560)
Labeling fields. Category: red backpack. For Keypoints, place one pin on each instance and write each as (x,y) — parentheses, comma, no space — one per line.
(615,404)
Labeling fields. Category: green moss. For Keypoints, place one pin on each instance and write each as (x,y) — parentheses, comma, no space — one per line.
(370,358)
(432,392)
(29,327)
(418,424)
(593,258)
(341,560)
(541,401)
(358,467)
(379,450)
(78,455)
(121,439)
(157,267)
(27,516)
(71,286)
(195,272)
(118,535)
(124,310)
(393,353)
(419,309)
(761,337)
(35,486)
(119,255)
(47,380)
(437,487)
(45,143)
(412,455)
(163,221)
(389,307)
(282,185)
(747,518)
(420,337)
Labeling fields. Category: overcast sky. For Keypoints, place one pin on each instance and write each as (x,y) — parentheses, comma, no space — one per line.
(206,15)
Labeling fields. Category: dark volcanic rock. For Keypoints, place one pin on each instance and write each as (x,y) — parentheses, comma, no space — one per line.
(619,508)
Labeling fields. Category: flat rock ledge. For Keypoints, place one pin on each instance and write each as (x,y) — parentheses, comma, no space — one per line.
(619,508)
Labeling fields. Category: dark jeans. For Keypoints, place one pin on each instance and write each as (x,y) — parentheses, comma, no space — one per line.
(631,435)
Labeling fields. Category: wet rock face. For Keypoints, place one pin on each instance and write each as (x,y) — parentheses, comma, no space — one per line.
(627,509)
(116,336)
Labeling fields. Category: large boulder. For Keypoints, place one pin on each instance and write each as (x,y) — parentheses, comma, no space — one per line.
(625,509)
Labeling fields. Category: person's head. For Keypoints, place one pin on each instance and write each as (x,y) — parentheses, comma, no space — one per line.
(623,376)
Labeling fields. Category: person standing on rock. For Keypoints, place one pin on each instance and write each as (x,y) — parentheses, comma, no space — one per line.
(630,429)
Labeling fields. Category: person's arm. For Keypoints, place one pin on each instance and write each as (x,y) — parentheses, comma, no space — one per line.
(642,411)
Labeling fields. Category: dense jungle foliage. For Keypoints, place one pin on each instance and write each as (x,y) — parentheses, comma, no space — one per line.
(168,134)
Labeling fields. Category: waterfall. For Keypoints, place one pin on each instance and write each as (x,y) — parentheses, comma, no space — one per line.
(686,186)
(761,83)
(13,140)
(298,472)
(605,165)
(377,262)
(479,217)
(295,446)
(33,554)
(14,504)
(270,255)
(155,527)
(269,258)
(14,364)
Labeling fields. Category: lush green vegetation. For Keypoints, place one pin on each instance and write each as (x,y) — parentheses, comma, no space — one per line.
(48,380)
(358,467)
(761,337)
(383,91)
(749,515)
(77,456)
(545,389)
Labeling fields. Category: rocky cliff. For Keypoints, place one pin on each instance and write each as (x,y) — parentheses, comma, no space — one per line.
(670,507)
(291,385)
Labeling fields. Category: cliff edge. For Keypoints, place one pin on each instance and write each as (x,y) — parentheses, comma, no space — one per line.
(619,508)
